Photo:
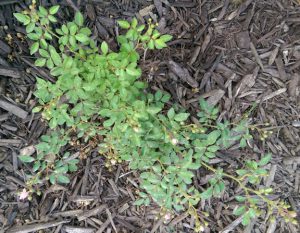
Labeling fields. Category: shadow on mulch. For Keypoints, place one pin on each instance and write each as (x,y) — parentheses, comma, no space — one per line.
(232,55)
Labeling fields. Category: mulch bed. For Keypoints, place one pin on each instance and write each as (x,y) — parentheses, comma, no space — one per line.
(233,55)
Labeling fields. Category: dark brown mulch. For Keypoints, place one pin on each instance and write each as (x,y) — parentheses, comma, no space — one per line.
(232,55)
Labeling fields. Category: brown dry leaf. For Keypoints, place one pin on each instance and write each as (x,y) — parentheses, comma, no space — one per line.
(246,82)
(182,73)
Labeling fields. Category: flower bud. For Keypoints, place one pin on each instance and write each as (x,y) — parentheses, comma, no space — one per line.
(174,141)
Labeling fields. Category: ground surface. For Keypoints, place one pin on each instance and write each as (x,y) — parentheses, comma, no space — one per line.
(232,55)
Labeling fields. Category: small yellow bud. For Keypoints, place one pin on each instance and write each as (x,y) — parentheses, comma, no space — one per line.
(113,162)
(136,129)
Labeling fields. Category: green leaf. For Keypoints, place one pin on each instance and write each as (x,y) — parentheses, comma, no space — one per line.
(52,19)
(40,62)
(78,19)
(55,56)
(43,11)
(133,71)
(34,47)
(73,29)
(159,44)
(33,36)
(54,9)
(44,53)
(243,142)
(109,122)
(207,193)
(153,110)
(30,27)
(166,38)
(186,176)
(65,29)
(171,113)
(212,137)
(240,198)
(252,213)
(241,172)
(36,166)
(52,179)
(134,23)
(82,38)
(104,48)
(181,117)
(139,202)
(26,158)
(265,160)
(36,109)
(85,31)
(151,44)
(246,220)
(158,95)
(25,19)
(63,179)
(49,63)
(123,24)
(239,211)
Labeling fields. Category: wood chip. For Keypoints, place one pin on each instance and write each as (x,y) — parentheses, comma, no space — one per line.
(291,160)
(232,225)
(35,227)
(91,212)
(72,229)
(294,85)
(272,95)
(10,142)
(247,82)
(14,109)
(147,10)
(183,74)
(271,175)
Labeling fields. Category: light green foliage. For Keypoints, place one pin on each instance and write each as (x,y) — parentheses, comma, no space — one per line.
(98,92)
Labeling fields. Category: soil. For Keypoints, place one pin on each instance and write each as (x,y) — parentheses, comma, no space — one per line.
(233,53)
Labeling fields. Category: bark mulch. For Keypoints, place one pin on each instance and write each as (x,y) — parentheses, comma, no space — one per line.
(238,56)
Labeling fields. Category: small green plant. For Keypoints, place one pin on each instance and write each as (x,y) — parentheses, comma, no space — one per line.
(98,97)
